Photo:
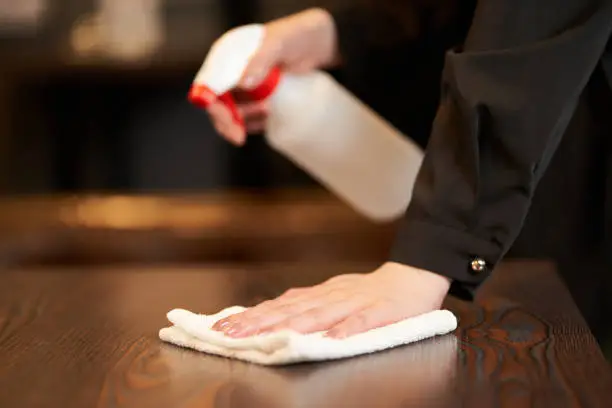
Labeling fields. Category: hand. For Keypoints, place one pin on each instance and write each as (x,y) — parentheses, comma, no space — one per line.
(346,304)
(297,43)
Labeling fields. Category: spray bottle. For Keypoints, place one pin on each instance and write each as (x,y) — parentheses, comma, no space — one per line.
(320,126)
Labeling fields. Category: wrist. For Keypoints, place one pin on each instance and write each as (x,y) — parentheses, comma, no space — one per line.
(307,38)
(323,27)
(440,281)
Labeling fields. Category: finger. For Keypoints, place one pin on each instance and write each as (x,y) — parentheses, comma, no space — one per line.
(275,307)
(230,131)
(375,316)
(225,124)
(297,301)
(291,297)
(260,64)
(268,313)
(301,67)
(248,108)
(256,126)
(343,279)
(262,308)
(322,317)
(264,322)
(243,326)
(255,115)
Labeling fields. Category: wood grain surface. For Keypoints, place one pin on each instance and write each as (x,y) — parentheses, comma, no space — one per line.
(87,337)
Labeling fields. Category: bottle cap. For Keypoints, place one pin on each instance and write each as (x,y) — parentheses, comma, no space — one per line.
(202,96)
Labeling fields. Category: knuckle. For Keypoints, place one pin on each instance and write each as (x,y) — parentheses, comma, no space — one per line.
(363,318)
(266,304)
(273,47)
(339,295)
(288,309)
(336,281)
(262,306)
(252,317)
(303,322)
(293,291)
(254,127)
(342,279)
(252,113)
(287,305)
(246,315)
(360,320)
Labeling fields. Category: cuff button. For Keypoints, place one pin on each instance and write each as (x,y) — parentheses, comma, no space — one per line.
(478,265)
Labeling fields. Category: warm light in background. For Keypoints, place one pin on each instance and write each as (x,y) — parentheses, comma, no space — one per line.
(125,30)
(143,213)
(19,15)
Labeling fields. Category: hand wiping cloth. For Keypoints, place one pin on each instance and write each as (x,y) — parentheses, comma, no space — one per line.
(195,331)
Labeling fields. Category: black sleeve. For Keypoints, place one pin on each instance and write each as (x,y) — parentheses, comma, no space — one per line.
(507,97)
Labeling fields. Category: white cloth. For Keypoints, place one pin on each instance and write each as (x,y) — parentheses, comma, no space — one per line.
(194,331)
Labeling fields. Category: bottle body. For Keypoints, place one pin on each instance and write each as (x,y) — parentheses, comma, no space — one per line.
(352,151)
(320,126)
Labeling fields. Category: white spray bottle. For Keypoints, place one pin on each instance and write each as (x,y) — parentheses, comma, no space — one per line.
(319,126)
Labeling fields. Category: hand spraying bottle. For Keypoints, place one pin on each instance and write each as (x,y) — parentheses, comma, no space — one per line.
(320,126)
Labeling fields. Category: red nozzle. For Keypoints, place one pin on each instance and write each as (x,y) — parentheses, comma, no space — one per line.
(202,96)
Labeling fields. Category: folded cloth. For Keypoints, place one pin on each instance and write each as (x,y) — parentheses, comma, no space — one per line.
(195,331)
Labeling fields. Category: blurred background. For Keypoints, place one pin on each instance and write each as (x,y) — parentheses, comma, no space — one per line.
(103,160)
(93,97)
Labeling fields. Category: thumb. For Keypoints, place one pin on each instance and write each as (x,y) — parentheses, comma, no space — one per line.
(260,65)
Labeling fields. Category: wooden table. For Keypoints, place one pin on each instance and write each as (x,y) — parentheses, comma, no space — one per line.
(87,337)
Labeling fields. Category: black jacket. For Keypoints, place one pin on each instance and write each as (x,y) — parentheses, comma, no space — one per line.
(514,73)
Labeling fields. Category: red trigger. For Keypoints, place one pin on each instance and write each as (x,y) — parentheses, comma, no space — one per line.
(266,87)
(202,97)
(228,99)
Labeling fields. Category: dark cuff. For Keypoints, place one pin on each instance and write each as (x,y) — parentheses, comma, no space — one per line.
(465,259)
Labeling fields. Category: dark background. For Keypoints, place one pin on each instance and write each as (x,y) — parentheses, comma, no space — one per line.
(73,123)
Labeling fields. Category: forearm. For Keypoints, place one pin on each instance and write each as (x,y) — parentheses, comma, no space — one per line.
(507,99)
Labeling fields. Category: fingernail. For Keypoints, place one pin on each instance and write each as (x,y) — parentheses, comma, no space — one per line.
(238,332)
(231,329)
(232,332)
(220,325)
(334,335)
(225,325)
(238,138)
(250,81)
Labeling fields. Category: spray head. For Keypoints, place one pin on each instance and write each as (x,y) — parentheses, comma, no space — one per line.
(203,96)
(224,67)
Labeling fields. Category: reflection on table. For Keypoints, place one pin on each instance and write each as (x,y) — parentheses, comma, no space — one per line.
(95,331)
